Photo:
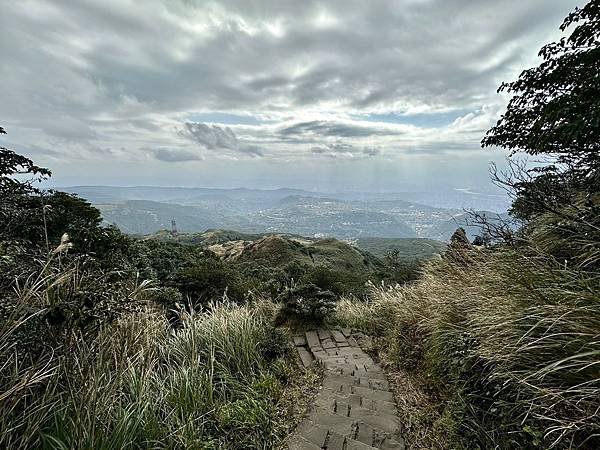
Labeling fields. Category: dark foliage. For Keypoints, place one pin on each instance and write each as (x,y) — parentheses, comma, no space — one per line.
(307,303)
(554,115)
(399,270)
(555,109)
(340,282)
(211,279)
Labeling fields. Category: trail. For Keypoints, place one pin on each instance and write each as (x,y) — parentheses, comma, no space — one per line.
(355,409)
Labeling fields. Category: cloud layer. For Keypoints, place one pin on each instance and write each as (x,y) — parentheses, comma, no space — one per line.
(158,83)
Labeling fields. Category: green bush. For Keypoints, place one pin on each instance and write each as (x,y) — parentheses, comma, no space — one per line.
(211,279)
(340,282)
(307,303)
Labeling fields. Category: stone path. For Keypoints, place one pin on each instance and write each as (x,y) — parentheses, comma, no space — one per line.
(354,409)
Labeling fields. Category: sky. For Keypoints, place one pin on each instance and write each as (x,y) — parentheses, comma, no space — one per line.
(339,95)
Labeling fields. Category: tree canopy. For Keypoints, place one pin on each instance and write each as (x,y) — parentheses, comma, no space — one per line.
(13,164)
(555,109)
(554,116)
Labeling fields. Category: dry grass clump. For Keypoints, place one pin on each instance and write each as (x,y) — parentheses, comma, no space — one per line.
(511,338)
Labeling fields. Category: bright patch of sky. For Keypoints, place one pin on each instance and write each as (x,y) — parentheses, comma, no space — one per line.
(424,120)
(224,118)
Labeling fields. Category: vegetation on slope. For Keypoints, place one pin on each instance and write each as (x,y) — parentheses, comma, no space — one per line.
(509,340)
(408,248)
(215,382)
(270,263)
(101,348)
(504,342)
(109,341)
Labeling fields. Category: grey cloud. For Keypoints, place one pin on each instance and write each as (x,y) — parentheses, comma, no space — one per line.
(34,151)
(333,129)
(92,75)
(69,129)
(441,147)
(213,137)
(340,150)
(175,155)
(370,56)
(371,151)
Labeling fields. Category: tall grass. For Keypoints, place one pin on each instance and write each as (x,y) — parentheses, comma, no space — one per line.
(511,337)
(213,383)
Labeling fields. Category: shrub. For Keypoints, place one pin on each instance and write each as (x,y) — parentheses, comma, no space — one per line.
(340,282)
(209,280)
(307,303)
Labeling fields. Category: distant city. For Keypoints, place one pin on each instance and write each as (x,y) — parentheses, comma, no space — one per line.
(433,215)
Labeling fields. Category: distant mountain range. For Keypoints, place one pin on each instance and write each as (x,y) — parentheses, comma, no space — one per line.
(147,209)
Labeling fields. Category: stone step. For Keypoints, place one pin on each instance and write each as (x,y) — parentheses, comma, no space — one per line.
(299,341)
(369,435)
(347,362)
(305,356)
(372,394)
(300,443)
(354,409)
(315,435)
(327,400)
(346,416)
(338,336)
(312,339)
(351,371)
(328,344)
(367,382)
(323,334)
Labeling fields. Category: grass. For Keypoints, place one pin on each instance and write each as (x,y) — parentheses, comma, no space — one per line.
(219,381)
(508,339)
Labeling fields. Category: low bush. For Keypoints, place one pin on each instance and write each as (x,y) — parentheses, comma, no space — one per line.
(211,279)
(306,303)
(340,282)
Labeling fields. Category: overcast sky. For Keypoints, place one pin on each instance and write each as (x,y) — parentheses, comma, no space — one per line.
(329,95)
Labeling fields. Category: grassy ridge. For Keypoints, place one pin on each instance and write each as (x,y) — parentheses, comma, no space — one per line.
(508,338)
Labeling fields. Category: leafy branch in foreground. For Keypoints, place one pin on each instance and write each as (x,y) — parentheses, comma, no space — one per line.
(554,115)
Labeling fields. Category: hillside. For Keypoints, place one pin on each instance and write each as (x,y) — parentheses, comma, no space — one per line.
(145,217)
(278,250)
(275,250)
(209,237)
(408,248)
(229,244)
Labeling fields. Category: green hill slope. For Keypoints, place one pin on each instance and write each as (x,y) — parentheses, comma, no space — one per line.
(409,248)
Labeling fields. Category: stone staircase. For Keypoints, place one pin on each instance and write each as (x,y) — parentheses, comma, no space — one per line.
(355,409)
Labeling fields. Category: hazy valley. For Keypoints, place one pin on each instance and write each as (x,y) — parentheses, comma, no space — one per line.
(145,210)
